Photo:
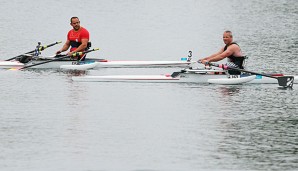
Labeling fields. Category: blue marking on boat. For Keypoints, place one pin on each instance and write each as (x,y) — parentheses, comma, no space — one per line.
(258,77)
(86,62)
(244,75)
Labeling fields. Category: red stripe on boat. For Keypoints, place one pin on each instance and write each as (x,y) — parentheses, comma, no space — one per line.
(104,60)
(277,75)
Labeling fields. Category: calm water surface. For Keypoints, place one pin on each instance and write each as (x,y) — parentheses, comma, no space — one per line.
(48,122)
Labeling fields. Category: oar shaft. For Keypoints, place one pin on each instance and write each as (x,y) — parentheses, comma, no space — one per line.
(225,67)
(41,48)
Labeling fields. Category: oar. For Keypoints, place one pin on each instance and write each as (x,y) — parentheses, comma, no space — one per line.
(41,48)
(60,57)
(284,81)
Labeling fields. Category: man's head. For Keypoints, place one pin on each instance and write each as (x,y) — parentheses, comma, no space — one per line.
(75,23)
(227,37)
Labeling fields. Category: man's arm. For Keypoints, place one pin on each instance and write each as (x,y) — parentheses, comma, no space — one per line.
(65,47)
(228,52)
(221,56)
(212,56)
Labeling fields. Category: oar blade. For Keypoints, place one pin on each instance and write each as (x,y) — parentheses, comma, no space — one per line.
(175,74)
(286,81)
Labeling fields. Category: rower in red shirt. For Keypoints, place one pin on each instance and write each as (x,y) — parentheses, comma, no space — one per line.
(77,39)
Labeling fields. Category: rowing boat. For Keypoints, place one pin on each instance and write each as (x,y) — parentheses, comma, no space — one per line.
(183,78)
(33,59)
(187,76)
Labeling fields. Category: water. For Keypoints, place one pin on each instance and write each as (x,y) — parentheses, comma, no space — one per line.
(48,122)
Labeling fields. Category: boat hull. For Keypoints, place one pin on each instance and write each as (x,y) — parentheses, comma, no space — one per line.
(141,64)
(127,78)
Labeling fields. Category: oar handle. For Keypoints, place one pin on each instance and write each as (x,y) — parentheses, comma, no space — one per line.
(84,52)
(61,57)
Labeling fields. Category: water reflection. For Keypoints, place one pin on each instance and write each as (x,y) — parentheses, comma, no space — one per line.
(259,142)
(261,131)
(71,73)
(229,90)
(57,71)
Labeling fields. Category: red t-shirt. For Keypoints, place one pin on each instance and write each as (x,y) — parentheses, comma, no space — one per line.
(75,37)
